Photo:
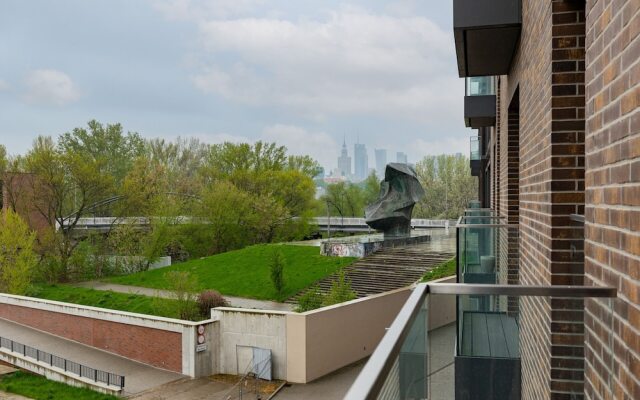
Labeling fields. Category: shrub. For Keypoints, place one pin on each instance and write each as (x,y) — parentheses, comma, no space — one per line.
(340,291)
(184,287)
(277,268)
(310,300)
(209,299)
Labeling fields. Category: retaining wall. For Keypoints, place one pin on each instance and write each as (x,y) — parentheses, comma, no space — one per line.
(307,346)
(160,342)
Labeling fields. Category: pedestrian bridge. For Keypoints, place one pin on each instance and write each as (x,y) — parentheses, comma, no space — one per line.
(332,224)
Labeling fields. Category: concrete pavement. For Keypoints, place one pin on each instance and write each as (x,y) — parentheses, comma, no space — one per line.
(238,302)
(138,377)
(336,385)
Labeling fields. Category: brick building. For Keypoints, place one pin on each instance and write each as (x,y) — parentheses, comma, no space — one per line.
(19,194)
(553,91)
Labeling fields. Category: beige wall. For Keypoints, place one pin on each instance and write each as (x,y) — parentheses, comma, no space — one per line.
(307,346)
(340,335)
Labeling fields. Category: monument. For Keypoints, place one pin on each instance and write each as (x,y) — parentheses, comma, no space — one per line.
(399,192)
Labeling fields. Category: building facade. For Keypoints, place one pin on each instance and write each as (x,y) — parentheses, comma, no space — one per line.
(361,161)
(344,162)
(381,161)
(401,158)
(554,97)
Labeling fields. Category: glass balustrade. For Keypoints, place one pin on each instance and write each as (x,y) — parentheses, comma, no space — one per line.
(480,86)
(414,361)
(474,144)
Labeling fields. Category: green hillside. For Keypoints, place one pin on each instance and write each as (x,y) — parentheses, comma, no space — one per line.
(245,272)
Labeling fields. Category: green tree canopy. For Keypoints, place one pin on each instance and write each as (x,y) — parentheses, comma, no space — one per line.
(17,258)
(448,186)
(112,150)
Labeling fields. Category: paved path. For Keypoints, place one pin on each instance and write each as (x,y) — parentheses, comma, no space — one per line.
(332,386)
(138,377)
(336,385)
(238,302)
(188,389)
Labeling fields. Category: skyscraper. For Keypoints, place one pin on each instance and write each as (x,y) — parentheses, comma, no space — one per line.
(344,161)
(381,161)
(361,161)
(401,157)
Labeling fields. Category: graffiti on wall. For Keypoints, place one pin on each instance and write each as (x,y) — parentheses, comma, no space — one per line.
(337,249)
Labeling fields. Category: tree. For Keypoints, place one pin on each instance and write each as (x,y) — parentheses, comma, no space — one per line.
(276,267)
(107,145)
(181,160)
(344,199)
(371,188)
(230,216)
(17,258)
(448,186)
(63,185)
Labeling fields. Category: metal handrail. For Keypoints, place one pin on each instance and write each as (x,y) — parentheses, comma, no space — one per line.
(68,366)
(372,377)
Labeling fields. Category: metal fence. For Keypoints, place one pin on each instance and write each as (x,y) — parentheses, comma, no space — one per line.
(72,367)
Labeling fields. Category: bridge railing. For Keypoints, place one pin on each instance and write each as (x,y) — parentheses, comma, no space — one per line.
(68,366)
(96,222)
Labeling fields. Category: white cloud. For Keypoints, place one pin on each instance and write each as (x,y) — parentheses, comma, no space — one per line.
(50,87)
(351,63)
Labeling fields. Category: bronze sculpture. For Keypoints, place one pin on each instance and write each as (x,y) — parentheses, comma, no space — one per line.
(399,192)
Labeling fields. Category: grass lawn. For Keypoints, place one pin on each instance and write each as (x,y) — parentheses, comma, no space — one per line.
(246,273)
(447,268)
(40,388)
(106,299)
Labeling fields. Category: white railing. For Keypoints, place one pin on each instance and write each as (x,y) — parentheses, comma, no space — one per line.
(337,222)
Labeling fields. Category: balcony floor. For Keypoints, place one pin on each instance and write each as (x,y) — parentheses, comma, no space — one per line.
(489,334)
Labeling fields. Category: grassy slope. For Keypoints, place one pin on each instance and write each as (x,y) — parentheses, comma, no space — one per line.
(39,388)
(246,273)
(447,268)
(106,299)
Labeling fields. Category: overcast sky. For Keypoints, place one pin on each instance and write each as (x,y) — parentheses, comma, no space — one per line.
(303,73)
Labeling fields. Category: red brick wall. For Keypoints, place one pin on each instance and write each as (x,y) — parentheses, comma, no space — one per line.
(162,349)
(612,240)
(541,184)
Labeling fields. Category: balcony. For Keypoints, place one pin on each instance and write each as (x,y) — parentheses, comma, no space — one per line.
(474,156)
(486,34)
(488,328)
(414,362)
(480,102)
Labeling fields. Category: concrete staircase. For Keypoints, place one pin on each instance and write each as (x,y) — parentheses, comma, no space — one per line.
(386,270)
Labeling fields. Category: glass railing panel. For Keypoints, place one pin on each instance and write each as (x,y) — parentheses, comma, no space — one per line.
(480,86)
(490,363)
(407,378)
(474,145)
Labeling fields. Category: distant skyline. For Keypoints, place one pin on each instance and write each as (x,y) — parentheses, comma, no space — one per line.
(297,73)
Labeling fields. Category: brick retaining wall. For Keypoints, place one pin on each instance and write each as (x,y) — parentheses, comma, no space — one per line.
(160,342)
(159,348)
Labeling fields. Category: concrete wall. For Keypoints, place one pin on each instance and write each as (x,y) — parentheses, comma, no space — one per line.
(245,327)
(161,342)
(307,346)
(340,335)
